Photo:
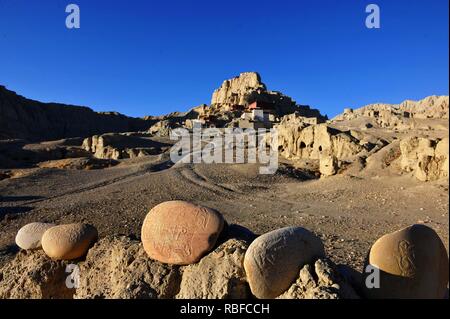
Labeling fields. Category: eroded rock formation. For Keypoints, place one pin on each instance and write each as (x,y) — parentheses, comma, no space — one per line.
(219,275)
(235,91)
(298,139)
(118,267)
(120,146)
(426,158)
(403,116)
(32,275)
(322,281)
(235,94)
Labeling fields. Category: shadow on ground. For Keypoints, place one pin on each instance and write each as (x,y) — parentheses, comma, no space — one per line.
(18,198)
(9,213)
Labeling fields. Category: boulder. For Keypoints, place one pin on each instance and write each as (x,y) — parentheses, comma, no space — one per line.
(322,281)
(273,260)
(412,263)
(118,268)
(30,235)
(218,275)
(71,241)
(178,232)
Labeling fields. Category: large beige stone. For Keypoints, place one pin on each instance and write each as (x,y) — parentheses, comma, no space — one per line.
(71,241)
(179,232)
(273,260)
(218,275)
(413,263)
(30,235)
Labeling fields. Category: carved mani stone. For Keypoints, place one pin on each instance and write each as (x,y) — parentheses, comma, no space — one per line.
(273,260)
(412,263)
(179,232)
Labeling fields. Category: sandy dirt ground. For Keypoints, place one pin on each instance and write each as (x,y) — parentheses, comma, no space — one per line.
(348,211)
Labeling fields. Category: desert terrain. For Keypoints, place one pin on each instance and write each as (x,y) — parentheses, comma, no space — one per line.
(389,170)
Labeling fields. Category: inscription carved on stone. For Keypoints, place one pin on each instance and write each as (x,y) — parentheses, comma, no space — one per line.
(273,260)
(178,232)
(406,258)
(413,263)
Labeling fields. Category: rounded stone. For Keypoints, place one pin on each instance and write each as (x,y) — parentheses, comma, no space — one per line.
(30,235)
(71,241)
(273,260)
(179,232)
(412,263)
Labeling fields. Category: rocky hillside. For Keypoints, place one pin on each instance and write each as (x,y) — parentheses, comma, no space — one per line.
(231,101)
(410,137)
(22,118)
(403,116)
(247,88)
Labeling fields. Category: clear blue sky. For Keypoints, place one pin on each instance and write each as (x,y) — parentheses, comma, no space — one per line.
(154,57)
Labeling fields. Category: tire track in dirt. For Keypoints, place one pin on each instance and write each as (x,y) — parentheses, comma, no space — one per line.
(145,170)
(192,176)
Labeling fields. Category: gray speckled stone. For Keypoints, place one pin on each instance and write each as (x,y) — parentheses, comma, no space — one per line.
(273,260)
